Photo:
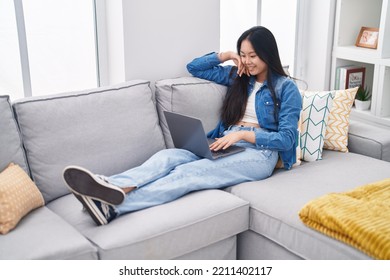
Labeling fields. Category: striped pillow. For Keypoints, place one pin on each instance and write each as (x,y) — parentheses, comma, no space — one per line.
(316,106)
(336,136)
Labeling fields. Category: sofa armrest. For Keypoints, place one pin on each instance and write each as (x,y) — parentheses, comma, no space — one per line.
(369,140)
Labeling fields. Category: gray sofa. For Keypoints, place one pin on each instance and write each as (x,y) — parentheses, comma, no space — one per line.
(111,129)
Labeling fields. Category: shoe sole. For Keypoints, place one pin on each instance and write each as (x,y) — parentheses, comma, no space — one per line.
(93,211)
(82,182)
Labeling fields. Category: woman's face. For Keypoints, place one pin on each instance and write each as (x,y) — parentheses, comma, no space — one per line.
(252,62)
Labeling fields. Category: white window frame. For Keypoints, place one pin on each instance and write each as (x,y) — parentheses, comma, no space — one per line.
(21,30)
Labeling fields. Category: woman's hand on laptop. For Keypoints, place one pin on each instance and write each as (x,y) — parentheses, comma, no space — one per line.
(232,138)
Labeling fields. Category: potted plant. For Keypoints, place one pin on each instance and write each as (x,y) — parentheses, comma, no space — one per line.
(363,99)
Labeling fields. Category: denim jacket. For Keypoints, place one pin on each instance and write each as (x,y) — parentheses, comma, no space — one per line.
(282,134)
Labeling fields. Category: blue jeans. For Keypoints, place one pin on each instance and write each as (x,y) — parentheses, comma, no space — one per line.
(172,173)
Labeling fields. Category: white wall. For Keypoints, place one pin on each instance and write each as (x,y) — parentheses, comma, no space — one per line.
(156,39)
(161,37)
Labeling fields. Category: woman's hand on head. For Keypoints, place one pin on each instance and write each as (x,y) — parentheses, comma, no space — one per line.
(241,69)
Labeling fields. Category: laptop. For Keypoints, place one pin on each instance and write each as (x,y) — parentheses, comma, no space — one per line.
(188,133)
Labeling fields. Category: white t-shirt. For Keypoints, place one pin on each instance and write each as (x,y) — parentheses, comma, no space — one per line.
(250,111)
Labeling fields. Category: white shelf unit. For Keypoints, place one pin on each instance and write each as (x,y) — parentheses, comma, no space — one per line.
(351,15)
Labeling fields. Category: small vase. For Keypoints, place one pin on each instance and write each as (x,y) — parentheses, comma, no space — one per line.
(362,105)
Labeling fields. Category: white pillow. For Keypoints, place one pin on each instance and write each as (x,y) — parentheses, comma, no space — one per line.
(316,106)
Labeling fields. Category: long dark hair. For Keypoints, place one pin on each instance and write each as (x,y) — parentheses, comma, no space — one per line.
(264,44)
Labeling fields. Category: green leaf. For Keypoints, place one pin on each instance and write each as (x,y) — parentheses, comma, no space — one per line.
(363,94)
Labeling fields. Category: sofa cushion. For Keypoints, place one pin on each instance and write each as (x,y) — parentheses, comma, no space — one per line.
(190,96)
(276,201)
(166,231)
(11,149)
(18,196)
(369,140)
(107,130)
(44,235)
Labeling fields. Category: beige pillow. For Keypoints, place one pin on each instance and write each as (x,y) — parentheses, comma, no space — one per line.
(336,136)
(18,196)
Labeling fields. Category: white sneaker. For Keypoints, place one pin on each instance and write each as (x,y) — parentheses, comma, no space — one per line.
(100,212)
(83,182)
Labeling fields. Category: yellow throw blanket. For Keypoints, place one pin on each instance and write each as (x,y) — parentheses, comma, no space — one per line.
(360,217)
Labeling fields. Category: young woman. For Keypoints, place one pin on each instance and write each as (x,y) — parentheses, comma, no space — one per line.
(260,112)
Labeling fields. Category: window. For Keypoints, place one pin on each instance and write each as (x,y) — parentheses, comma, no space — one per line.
(238,16)
(58,40)
(282,23)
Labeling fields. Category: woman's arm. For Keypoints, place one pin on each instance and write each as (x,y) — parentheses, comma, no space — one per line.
(208,67)
(226,56)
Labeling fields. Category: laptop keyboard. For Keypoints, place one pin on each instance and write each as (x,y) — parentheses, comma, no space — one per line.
(218,153)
